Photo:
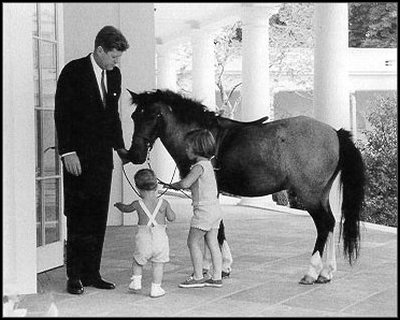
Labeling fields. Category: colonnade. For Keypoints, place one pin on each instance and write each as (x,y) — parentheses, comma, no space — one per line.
(331,95)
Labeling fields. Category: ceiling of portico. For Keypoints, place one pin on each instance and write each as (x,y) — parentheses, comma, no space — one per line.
(174,21)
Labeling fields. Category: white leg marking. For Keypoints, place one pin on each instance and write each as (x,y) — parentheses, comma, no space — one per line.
(330,265)
(315,266)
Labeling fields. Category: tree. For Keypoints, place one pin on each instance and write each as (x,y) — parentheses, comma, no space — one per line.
(227,47)
(373,24)
(380,157)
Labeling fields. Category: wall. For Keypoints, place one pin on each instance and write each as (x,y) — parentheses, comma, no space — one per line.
(19,215)
(136,22)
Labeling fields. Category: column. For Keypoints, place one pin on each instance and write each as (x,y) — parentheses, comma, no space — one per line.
(255,90)
(203,70)
(161,161)
(331,54)
(19,194)
(353,113)
(166,67)
(255,61)
(138,67)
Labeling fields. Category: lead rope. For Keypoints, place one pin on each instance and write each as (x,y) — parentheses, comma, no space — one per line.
(162,182)
(159,181)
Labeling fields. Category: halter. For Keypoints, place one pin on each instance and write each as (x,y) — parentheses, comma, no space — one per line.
(150,145)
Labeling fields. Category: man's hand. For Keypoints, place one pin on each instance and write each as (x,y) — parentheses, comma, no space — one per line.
(72,164)
(123,154)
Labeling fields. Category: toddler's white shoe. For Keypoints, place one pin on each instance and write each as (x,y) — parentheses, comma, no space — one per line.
(136,284)
(156,290)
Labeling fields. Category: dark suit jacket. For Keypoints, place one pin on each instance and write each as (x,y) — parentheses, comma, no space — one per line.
(84,125)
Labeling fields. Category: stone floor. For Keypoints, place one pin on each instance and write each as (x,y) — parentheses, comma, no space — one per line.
(271,252)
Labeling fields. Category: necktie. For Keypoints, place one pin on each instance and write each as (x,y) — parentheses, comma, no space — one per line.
(103,89)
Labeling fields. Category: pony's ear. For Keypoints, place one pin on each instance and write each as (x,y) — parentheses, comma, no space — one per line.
(133,95)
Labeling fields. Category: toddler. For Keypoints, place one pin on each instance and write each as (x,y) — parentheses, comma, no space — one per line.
(151,240)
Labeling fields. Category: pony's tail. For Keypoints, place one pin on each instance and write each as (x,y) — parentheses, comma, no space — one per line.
(352,182)
(221,233)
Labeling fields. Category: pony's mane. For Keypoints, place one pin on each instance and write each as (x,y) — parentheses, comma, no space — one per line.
(186,109)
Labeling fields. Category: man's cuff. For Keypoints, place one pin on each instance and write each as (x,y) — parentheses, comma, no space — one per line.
(66,154)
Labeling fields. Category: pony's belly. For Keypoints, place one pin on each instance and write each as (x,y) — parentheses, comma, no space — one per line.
(240,185)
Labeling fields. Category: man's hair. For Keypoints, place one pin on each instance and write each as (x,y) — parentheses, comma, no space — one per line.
(110,38)
(145,179)
(202,142)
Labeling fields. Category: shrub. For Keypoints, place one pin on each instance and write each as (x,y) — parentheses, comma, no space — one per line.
(379,151)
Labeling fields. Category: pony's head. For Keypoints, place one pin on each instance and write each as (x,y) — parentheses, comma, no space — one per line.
(146,119)
(153,109)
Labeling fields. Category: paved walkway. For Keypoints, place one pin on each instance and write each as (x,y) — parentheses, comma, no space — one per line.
(271,252)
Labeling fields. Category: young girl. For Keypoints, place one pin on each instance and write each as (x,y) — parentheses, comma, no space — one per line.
(200,147)
(151,240)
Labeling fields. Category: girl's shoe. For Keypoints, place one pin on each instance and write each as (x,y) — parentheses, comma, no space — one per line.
(213,283)
(206,274)
(192,283)
(156,291)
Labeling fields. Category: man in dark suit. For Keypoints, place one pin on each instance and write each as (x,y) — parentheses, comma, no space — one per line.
(88,129)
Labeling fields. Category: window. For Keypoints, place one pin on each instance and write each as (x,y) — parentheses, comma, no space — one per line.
(48,175)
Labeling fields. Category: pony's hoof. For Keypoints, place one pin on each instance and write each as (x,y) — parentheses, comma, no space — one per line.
(307,280)
(322,279)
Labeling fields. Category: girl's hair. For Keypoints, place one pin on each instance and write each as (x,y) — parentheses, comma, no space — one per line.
(202,142)
(145,179)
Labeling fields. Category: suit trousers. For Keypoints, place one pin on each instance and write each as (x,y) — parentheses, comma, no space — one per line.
(86,202)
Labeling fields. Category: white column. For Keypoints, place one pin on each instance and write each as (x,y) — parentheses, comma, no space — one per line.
(161,161)
(353,113)
(138,67)
(203,70)
(166,68)
(255,61)
(331,55)
(19,200)
(255,89)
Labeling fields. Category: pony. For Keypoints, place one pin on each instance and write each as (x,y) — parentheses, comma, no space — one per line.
(258,158)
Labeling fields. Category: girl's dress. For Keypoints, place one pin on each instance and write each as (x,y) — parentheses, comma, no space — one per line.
(151,242)
(206,209)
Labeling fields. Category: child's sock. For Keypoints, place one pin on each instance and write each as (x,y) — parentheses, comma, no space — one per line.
(156,290)
(136,283)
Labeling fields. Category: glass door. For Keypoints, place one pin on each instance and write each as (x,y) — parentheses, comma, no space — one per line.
(49,218)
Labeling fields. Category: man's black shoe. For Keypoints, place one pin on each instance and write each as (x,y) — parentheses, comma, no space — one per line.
(98,283)
(74,286)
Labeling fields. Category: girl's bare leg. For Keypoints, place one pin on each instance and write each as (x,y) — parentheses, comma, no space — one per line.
(194,243)
(216,256)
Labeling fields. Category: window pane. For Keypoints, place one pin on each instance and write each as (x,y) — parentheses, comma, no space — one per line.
(36,72)
(52,210)
(35,29)
(47,21)
(39,143)
(49,156)
(39,217)
(48,73)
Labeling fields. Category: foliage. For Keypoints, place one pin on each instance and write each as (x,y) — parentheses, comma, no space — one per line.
(373,24)
(291,46)
(227,47)
(380,153)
